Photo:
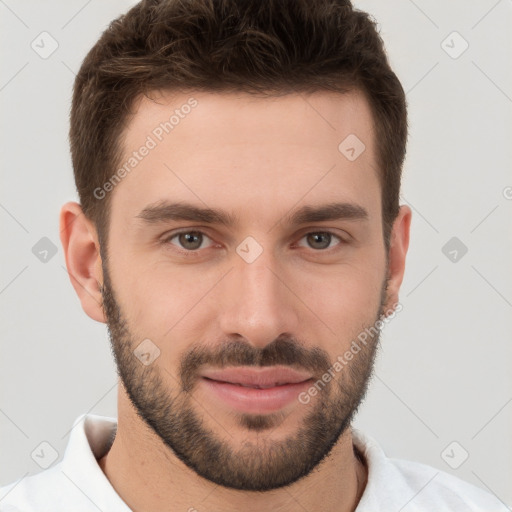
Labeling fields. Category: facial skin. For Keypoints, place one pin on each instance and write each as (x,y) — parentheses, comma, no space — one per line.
(297,304)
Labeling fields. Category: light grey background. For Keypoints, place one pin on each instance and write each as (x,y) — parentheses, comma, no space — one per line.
(444,372)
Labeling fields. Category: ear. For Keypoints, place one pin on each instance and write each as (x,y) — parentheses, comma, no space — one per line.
(83,260)
(399,243)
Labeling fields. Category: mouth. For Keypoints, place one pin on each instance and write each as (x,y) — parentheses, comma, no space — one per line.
(259,378)
(253,386)
(255,390)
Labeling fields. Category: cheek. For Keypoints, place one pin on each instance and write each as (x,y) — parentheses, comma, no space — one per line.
(162,303)
(346,299)
(170,303)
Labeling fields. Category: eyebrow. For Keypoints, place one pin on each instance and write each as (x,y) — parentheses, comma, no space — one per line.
(164,211)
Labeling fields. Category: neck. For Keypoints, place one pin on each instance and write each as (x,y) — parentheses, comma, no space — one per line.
(147,475)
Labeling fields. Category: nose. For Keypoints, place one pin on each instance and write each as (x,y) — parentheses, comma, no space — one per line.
(258,302)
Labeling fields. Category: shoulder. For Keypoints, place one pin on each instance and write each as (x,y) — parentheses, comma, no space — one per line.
(76,483)
(436,488)
(36,492)
(416,487)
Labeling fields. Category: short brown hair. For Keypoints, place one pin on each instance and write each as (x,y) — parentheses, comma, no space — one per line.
(268,47)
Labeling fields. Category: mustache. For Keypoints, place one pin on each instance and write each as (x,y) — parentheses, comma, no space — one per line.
(282,351)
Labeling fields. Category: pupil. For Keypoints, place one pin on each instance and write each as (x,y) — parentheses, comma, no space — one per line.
(316,239)
(187,239)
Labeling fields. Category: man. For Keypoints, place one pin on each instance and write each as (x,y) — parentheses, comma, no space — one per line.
(238,166)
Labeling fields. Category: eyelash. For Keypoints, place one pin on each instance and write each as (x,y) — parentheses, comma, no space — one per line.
(196,252)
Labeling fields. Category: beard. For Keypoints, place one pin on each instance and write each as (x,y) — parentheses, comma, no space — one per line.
(262,465)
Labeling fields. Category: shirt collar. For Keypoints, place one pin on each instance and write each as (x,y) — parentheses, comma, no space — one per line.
(90,438)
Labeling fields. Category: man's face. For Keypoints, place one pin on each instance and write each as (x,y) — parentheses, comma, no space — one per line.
(191,297)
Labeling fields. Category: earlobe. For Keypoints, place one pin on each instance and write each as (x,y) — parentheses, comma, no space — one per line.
(83,261)
(399,245)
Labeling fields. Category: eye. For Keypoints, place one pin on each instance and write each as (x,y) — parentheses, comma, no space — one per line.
(321,239)
(188,240)
(192,241)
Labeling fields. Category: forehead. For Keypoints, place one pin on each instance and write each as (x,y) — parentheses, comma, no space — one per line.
(252,155)
(233,116)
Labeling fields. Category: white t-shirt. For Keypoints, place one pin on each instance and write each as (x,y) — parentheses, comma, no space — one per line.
(77,483)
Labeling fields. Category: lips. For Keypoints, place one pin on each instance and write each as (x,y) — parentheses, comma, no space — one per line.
(254,390)
(259,378)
